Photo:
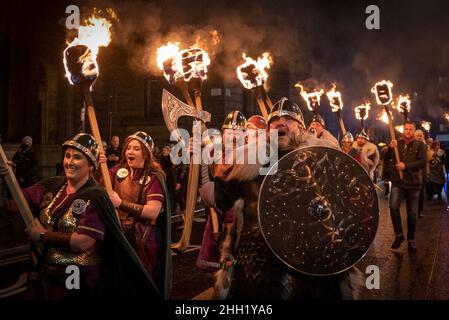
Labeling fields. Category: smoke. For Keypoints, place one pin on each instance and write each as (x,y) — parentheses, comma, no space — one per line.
(225,29)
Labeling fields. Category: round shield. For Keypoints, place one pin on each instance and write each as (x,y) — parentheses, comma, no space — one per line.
(318,210)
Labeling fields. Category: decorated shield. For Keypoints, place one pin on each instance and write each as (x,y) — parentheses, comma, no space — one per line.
(318,210)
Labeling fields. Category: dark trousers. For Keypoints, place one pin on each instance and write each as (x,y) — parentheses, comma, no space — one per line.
(411,197)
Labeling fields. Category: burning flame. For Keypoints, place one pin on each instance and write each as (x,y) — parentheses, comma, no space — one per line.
(185,64)
(403,104)
(194,63)
(254,73)
(446,116)
(382,91)
(399,128)
(426,125)
(94,34)
(361,112)
(312,99)
(335,99)
(384,117)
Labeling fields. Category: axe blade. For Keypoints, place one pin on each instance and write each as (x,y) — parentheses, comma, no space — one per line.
(173,109)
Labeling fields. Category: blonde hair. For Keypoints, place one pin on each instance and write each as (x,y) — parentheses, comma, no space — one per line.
(419,131)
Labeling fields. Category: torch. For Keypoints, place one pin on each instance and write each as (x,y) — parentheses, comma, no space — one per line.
(312,99)
(336,104)
(253,75)
(361,113)
(446,116)
(426,125)
(403,106)
(82,70)
(384,96)
(182,68)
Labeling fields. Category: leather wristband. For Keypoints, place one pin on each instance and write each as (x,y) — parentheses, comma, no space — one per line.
(60,239)
(132,208)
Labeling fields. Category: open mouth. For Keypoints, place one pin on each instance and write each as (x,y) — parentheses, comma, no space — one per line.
(281,133)
(131,158)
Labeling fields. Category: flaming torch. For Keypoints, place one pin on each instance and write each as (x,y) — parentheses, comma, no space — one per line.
(312,99)
(403,106)
(336,104)
(80,62)
(384,96)
(183,67)
(361,113)
(253,75)
(426,125)
(446,116)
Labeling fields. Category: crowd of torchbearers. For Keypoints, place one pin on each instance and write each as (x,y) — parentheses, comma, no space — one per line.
(294,232)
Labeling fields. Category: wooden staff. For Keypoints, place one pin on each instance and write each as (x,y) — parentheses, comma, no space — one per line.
(340,121)
(96,133)
(261,103)
(16,191)
(393,137)
(266,97)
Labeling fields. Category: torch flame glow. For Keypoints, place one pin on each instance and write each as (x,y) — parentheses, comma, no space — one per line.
(399,128)
(403,104)
(384,117)
(254,73)
(382,91)
(361,112)
(94,34)
(446,116)
(185,64)
(312,99)
(426,125)
(335,99)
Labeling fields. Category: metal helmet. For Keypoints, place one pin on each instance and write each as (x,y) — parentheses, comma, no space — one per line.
(85,143)
(348,137)
(362,134)
(256,122)
(234,120)
(319,119)
(143,137)
(285,107)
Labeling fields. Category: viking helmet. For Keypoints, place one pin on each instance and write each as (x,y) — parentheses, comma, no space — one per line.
(285,107)
(234,120)
(144,138)
(85,143)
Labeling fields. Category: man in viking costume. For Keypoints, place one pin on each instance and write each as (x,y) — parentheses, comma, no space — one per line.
(251,270)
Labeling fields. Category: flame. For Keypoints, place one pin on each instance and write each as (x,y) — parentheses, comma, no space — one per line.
(399,128)
(94,34)
(382,91)
(312,99)
(384,117)
(403,104)
(335,99)
(169,60)
(194,63)
(185,64)
(361,112)
(254,73)
(426,125)
(446,116)
(216,38)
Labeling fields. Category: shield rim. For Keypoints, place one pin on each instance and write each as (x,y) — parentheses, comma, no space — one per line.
(268,243)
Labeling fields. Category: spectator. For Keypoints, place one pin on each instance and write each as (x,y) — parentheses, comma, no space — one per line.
(114,153)
(25,163)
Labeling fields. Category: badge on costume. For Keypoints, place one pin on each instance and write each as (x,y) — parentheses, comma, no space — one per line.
(122,173)
(78,207)
(146,182)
